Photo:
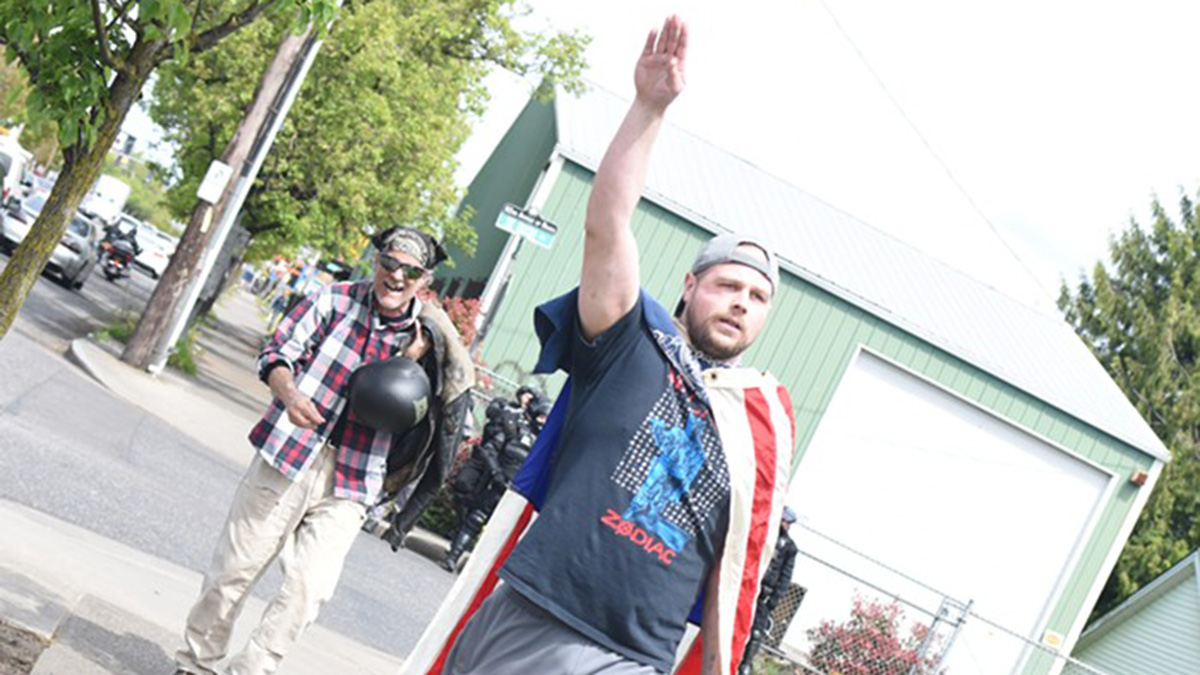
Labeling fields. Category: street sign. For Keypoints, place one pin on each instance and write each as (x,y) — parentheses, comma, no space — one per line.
(214,182)
(520,222)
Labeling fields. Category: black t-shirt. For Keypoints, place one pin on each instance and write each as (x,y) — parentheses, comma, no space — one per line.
(637,503)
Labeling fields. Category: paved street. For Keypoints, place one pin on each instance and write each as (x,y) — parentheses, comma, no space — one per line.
(53,315)
(74,451)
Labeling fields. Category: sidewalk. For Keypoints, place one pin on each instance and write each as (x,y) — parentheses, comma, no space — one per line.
(113,609)
(218,406)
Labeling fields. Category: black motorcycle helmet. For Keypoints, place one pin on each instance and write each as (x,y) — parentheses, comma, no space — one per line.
(391,395)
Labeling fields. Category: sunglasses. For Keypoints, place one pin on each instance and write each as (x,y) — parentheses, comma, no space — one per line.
(410,271)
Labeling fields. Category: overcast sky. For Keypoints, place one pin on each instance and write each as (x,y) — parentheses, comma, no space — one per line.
(1060,119)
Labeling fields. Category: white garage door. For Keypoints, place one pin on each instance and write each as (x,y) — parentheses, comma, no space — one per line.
(951,496)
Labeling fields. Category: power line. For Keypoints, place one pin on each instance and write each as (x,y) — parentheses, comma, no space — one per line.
(938,158)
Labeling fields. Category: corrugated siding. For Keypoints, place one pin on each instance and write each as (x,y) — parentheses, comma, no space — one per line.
(1033,349)
(510,347)
(1162,638)
(808,343)
(509,175)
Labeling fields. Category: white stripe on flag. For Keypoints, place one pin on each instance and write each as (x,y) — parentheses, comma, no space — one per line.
(727,389)
(470,579)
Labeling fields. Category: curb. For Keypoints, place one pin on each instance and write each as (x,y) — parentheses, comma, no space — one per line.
(74,354)
(427,544)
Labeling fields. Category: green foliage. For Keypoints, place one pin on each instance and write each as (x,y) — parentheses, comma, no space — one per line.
(69,50)
(39,136)
(119,329)
(370,141)
(186,351)
(147,195)
(56,43)
(1140,315)
(86,63)
(183,357)
(439,516)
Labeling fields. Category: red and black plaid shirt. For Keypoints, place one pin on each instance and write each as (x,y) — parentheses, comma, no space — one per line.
(323,340)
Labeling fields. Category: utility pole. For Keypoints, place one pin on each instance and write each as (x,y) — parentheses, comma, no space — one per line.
(166,314)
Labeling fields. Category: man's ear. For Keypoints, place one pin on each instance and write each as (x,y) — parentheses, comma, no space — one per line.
(689,285)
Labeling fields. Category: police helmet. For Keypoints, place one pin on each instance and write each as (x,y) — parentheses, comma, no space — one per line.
(538,410)
(540,407)
(391,395)
(495,409)
(527,389)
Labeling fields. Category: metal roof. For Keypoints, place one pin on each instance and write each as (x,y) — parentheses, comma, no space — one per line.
(719,191)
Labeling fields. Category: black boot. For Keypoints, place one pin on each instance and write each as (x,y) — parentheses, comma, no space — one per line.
(457,547)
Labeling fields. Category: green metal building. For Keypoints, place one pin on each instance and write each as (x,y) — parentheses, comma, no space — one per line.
(1157,630)
(952,443)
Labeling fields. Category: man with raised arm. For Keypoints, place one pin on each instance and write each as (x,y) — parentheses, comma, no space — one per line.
(663,463)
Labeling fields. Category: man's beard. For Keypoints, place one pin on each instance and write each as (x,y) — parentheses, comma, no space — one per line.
(700,335)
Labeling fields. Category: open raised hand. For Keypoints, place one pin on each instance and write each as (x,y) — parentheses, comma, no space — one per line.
(659,75)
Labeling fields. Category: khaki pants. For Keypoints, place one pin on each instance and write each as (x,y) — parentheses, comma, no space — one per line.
(300,523)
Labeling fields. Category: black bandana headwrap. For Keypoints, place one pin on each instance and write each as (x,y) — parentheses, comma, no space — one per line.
(427,250)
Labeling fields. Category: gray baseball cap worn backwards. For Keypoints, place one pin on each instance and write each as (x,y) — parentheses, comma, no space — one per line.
(723,248)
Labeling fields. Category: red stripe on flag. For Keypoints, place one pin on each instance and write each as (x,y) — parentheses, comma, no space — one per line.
(758,413)
(485,589)
(786,399)
(693,661)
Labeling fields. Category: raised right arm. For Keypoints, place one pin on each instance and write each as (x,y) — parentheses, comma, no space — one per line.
(608,287)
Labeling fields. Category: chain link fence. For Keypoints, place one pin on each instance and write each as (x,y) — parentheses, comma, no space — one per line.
(848,614)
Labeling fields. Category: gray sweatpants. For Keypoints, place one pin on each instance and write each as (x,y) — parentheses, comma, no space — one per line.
(510,635)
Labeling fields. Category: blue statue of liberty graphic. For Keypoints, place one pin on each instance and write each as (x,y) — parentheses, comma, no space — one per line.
(672,472)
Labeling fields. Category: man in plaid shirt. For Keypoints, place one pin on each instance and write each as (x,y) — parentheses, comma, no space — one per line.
(318,468)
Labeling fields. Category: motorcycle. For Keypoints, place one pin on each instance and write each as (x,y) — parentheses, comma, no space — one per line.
(116,258)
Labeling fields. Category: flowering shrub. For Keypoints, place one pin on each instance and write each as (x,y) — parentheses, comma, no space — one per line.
(870,643)
(463,312)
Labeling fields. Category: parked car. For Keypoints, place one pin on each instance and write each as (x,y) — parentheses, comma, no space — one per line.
(75,256)
(41,185)
(17,220)
(73,259)
(15,171)
(157,247)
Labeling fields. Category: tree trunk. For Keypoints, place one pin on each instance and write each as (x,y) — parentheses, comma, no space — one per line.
(79,172)
(186,261)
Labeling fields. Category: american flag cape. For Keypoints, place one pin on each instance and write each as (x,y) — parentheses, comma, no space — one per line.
(753,417)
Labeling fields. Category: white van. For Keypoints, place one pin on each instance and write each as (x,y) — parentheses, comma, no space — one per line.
(16,165)
(106,199)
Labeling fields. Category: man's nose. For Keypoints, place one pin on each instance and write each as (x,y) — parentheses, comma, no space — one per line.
(741,301)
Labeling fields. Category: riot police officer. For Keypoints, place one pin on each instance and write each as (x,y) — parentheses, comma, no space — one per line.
(507,437)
